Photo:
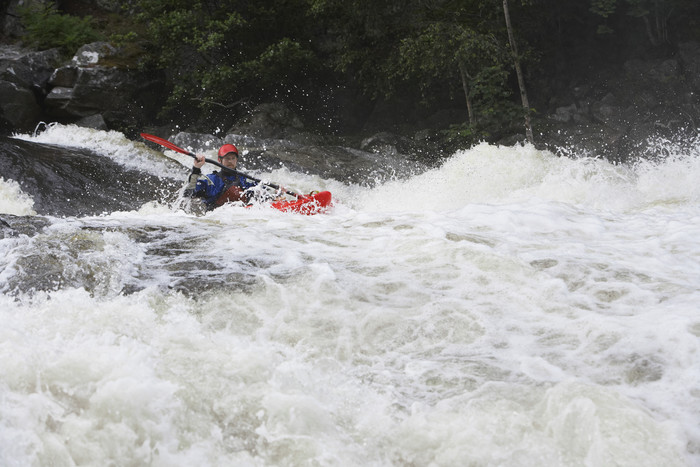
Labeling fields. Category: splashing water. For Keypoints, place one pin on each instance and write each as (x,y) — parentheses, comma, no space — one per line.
(508,308)
(13,200)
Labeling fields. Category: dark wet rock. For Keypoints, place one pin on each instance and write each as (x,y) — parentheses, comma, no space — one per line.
(19,109)
(74,182)
(26,67)
(270,120)
(13,226)
(36,86)
(24,76)
(96,122)
(86,88)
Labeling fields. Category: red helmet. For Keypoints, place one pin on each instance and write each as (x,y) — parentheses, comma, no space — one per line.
(227,148)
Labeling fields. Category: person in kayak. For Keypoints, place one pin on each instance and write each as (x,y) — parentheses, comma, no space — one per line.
(222,186)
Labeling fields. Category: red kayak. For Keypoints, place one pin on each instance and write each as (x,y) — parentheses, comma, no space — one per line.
(313,203)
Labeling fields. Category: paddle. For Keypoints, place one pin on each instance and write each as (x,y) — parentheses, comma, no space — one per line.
(169,145)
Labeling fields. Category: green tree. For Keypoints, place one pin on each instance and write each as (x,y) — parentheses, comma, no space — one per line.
(521,80)
(656,15)
(47,28)
(438,48)
(458,54)
(426,53)
(217,53)
(359,38)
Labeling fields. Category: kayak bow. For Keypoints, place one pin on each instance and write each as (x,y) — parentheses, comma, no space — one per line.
(310,204)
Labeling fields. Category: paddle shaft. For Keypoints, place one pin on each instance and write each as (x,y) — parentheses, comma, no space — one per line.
(169,145)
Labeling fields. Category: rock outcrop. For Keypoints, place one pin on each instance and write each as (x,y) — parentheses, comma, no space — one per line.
(88,90)
(24,75)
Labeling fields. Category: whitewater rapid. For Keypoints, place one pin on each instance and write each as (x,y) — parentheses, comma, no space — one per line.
(509,308)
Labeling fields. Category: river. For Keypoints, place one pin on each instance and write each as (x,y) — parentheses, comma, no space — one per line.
(507,308)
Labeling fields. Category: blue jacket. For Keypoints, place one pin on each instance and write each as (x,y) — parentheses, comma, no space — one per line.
(212,186)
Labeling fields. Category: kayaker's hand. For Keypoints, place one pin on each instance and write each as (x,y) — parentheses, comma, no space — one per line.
(277,195)
(199,161)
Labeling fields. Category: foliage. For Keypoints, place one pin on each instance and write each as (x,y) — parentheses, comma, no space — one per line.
(427,55)
(46,28)
(430,53)
(441,51)
(218,51)
(365,36)
(603,8)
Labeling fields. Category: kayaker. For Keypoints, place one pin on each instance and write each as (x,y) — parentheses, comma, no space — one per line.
(222,186)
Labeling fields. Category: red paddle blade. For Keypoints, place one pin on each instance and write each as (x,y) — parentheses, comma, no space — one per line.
(166,143)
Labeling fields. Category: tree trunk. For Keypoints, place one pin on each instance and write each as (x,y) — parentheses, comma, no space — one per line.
(519,72)
(465,86)
(650,33)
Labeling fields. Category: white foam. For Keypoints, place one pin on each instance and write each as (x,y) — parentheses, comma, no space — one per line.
(112,144)
(497,174)
(546,316)
(13,200)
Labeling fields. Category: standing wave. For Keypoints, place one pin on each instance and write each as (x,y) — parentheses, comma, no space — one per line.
(503,175)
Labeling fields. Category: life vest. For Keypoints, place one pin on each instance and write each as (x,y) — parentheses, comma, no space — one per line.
(232,194)
(217,190)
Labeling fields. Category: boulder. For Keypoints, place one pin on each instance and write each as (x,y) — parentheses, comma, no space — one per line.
(87,87)
(28,68)
(566,113)
(392,145)
(64,77)
(608,111)
(95,89)
(19,110)
(96,122)
(58,99)
(659,71)
(272,120)
(91,54)
(24,79)
(381,143)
